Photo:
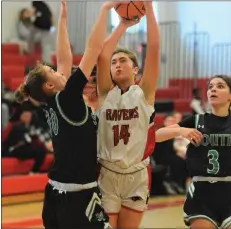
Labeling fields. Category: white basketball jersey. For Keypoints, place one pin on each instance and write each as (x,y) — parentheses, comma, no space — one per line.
(123,127)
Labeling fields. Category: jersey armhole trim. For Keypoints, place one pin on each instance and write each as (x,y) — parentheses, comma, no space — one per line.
(66,118)
(150,107)
(196,120)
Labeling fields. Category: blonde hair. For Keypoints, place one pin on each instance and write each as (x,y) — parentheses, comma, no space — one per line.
(32,86)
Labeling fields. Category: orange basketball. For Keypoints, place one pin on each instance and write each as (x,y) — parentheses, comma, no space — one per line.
(133,10)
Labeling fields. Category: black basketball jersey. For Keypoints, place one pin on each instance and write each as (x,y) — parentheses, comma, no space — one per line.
(73,131)
(212,157)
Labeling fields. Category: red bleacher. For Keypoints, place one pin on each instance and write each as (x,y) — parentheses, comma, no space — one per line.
(13,71)
(14,63)
(12,76)
(13,60)
(15,83)
(13,180)
(186,86)
(12,166)
(21,184)
(10,48)
(168,93)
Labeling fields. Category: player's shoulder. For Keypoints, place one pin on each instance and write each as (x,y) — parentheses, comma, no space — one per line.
(207,114)
(51,101)
(113,90)
(50,105)
(136,88)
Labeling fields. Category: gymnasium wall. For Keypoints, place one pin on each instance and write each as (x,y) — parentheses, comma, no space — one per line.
(212,46)
(213,17)
(9,16)
(179,56)
(81,16)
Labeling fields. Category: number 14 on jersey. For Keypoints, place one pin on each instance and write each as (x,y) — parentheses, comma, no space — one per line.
(121,133)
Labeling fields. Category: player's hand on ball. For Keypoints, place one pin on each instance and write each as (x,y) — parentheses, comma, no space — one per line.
(128,23)
(110,4)
(193,135)
(147,3)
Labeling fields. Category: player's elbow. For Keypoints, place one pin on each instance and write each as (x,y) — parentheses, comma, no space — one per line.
(159,137)
(95,49)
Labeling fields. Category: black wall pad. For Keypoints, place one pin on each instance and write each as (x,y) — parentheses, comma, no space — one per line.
(164,106)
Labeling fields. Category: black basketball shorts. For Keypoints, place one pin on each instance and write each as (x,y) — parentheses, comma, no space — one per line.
(80,209)
(211,201)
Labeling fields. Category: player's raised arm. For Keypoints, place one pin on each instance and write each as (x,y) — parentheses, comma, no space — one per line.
(63,47)
(96,39)
(151,67)
(104,82)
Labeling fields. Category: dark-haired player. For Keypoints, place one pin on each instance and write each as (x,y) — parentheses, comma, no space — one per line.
(208,203)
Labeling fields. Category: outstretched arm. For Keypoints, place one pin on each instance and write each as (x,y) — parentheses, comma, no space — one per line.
(151,68)
(166,133)
(104,81)
(95,42)
(63,47)
(72,95)
(185,128)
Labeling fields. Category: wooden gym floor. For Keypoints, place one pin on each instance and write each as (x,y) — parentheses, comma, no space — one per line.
(25,212)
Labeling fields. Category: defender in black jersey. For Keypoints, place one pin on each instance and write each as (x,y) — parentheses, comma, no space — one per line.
(72,198)
(208,202)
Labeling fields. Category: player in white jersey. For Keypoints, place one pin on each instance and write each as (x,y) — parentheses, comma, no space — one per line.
(124,116)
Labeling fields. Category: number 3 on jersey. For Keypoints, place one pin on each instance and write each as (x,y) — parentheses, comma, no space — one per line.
(213,156)
(121,133)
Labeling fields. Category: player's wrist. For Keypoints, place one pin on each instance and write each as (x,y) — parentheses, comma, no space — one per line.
(148,4)
(122,26)
(108,5)
(179,131)
(148,8)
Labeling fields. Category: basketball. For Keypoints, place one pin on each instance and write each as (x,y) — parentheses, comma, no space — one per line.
(134,10)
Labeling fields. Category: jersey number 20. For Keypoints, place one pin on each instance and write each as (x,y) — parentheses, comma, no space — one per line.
(213,156)
(121,132)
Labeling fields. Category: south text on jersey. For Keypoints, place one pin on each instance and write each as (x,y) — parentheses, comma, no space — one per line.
(216,140)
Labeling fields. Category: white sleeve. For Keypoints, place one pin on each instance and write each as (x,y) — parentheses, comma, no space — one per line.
(196,106)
